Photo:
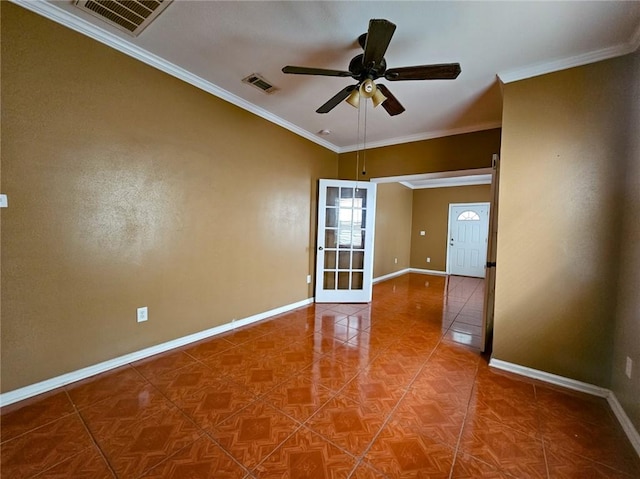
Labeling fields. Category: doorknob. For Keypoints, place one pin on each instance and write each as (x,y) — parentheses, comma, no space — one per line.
(320,248)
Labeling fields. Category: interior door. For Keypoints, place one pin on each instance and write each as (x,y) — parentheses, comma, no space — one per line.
(490,279)
(344,263)
(468,232)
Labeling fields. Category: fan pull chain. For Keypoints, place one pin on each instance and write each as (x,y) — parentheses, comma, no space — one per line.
(357,146)
(364,142)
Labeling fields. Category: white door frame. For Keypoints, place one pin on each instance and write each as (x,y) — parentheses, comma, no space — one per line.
(451,206)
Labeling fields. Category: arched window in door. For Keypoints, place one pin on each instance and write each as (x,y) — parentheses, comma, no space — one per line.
(468,216)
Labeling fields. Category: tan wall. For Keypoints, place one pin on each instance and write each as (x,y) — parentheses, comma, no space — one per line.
(393,229)
(560,191)
(131,188)
(431,215)
(458,152)
(627,336)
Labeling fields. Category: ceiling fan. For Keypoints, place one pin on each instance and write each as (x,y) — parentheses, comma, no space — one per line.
(371,65)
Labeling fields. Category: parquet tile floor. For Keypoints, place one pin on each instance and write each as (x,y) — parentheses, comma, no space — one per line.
(392,389)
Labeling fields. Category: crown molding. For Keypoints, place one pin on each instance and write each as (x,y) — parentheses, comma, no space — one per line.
(61,16)
(531,71)
(429,135)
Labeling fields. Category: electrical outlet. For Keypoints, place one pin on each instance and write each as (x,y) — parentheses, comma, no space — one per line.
(428,260)
(395,260)
(308,279)
(629,367)
(143,314)
(423,233)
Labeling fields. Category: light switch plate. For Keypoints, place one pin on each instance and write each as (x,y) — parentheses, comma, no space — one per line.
(4,201)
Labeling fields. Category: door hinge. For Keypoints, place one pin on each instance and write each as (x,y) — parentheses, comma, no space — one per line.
(491,264)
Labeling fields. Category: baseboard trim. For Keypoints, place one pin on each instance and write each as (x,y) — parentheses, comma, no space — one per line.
(391,275)
(427,271)
(625,422)
(587,388)
(549,378)
(26,392)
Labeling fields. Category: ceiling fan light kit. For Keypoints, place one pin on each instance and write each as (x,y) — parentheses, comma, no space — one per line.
(367,67)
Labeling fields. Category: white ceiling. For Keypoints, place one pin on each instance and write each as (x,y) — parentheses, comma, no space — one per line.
(214,44)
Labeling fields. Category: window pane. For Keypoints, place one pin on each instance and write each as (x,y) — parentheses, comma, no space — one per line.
(331,218)
(346,192)
(358,260)
(356,281)
(362,194)
(329,280)
(330,259)
(343,280)
(330,240)
(344,260)
(332,196)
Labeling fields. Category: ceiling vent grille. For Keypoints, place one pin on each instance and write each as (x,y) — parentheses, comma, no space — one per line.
(259,82)
(132,16)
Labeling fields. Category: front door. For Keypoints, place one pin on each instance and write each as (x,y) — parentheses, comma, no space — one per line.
(468,233)
(344,264)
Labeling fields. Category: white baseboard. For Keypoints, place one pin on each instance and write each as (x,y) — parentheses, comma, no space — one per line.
(587,388)
(427,271)
(550,378)
(26,392)
(625,422)
(408,270)
(391,275)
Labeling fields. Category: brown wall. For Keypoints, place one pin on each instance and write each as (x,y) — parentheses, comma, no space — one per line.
(458,152)
(129,188)
(393,229)
(627,334)
(560,196)
(431,215)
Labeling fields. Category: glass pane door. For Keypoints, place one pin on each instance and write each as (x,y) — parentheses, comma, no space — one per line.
(344,265)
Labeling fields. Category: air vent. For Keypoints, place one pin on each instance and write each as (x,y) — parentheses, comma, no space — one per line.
(259,82)
(132,16)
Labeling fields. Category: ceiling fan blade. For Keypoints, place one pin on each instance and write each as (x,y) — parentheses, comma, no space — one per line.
(315,71)
(391,104)
(443,71)
(336,99)
(378,38)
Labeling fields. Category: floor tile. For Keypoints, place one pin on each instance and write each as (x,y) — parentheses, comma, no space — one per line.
(347,423)
(602,443)
(399,452)
(202,459)
(203,350)
(253,433)
(331,373)
(299,397)
(44,447)
(436,418)
(212,405)
(88,464)
(138,446)
(107,418)
(511,451)
(162,363)
(306,455)
(185,381)
(104,386)
(566,465)
(24,416)
(467,467)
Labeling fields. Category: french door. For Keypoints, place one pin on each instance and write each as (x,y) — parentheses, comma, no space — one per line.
(344,263)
